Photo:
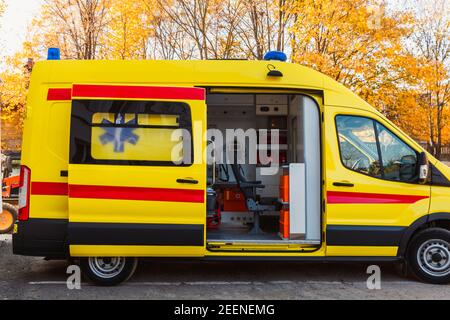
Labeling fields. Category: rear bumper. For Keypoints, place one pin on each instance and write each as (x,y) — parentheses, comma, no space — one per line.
(41,238)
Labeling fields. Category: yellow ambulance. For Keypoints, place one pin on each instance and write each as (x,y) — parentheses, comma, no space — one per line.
(221,160)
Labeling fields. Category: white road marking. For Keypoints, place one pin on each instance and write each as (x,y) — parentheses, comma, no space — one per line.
(281,282)
(46,282)
(213,283)
(330,282)
(146,283)
(233,283)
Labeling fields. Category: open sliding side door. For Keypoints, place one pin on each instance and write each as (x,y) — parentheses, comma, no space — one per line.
(137,177)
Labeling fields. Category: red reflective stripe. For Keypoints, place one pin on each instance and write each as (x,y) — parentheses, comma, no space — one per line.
(49,189)
(118,193)
(335,197)
(136,193)
(137,92)
(59,94)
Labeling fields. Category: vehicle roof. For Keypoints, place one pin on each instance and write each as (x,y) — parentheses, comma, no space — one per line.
(207,73)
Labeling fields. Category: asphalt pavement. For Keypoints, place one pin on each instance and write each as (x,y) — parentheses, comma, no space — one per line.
(35,278)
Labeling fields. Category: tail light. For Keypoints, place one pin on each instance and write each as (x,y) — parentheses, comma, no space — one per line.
(24,193)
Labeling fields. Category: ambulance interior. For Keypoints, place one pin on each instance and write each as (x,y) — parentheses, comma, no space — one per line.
(253,197)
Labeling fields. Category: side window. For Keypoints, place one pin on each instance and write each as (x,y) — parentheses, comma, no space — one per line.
(131,133)
(368,147)
(399,160)
(358,145)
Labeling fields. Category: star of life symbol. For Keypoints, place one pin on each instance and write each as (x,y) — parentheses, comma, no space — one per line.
(119,135)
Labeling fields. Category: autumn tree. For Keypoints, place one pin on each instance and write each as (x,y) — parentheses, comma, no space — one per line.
(2,8)
(363,45)
(264,26)
(75,26)
(195,19)
(169,41)
(432,47)
(214,29)
(348,40)
(15,79)
(129,29)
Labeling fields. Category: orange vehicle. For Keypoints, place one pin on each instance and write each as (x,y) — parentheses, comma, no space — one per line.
(10,187)
(10,191)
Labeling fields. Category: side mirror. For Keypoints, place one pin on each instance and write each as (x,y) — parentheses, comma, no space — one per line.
(424,168)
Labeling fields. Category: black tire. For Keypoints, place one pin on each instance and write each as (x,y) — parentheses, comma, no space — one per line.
(121,269)
(9,215)
(429,256)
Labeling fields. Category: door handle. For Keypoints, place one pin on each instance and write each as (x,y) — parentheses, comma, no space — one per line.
(187,181)
(343,184)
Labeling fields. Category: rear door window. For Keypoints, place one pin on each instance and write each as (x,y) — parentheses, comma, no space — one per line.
(131,133)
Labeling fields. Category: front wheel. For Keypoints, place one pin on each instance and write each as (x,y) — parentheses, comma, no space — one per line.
(429,256)
(108,271)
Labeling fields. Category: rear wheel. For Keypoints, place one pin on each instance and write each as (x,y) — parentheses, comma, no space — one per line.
(108,271)
(7,218)
(429,256)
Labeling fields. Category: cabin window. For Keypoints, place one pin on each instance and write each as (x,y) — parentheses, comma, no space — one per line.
(358,145)
(399,159)
(370,148)
(131,133)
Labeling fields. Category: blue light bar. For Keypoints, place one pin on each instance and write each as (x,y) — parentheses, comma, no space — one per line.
(276,55)
(53,54)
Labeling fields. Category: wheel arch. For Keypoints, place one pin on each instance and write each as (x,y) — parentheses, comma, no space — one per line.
(438,219)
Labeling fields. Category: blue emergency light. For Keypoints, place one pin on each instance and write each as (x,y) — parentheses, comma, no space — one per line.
(275,55)
(53,54)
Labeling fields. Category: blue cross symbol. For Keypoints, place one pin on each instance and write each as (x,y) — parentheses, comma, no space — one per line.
(119,135)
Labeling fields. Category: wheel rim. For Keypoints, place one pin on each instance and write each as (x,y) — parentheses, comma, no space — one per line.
(106,268)
(434,257)
(6,220)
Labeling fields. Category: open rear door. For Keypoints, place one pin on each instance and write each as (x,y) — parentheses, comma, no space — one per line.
(137,177)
